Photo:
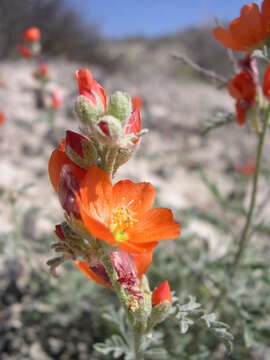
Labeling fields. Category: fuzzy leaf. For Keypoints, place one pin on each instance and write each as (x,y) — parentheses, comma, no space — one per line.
(114,345)
(221,118)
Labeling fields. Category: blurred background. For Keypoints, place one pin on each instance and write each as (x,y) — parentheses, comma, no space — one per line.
(129,46)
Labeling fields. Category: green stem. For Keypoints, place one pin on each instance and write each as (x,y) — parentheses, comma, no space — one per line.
(137,346)
(111,158)
(244,236)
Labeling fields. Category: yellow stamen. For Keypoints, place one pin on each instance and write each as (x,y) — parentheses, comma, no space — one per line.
(122,218)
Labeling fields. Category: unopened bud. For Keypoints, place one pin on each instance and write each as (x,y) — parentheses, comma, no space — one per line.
(120,106)
(108,131)
(80,150)
(67,189)
(161,303)
(88,112)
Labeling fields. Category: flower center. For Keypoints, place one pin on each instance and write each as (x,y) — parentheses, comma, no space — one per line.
(122,218)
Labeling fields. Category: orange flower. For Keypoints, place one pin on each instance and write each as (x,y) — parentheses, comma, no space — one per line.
(42,71)
(137,102)
(161,293)
(247,31)
(89,87)
(24,51)
(2,117)
(248,168)
(129,267)
(121,214)
(57,161)
(266,83)
(32,34)
(243,89)
(56,100)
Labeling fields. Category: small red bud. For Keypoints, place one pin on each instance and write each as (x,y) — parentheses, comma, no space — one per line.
(104,128)
(133,125)
(162,293)
(266,83)
(74,141)
(67,189)
(59,232)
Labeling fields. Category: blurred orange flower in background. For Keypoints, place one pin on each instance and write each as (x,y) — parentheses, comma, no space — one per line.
(24,51)
(243,89)
(122,214)
(247,31)
(32,34)
(2,117)
(247,168)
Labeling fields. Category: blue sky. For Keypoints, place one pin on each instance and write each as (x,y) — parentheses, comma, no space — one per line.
(120,18)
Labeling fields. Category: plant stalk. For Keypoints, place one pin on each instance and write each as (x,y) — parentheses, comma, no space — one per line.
(244,236)
(111,158)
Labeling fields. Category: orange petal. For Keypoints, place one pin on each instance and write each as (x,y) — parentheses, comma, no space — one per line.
(266,16)
(96,194)
(241,114)
(247,30)
(233,91)
(137,248)
(57,160)
(137,197)
(266,83)
(226,39)
(84,267)
(156,224)
(95,227)
(143,261)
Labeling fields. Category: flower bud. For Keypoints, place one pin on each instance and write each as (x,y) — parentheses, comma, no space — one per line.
(108,131)
(90,88)
(80,150)
(56,100)
(161,293)
(88,112)
(120,106)
(161,303)
(59,232)
(67,189)
(133,126)
(137,102)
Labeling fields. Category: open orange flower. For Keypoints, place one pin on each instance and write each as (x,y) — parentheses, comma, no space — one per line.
(247,31)
(32,34)
(129,267)
(121,214)
(243,89)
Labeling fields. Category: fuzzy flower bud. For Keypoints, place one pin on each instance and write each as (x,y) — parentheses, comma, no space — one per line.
(108,131)
(80,150)
(161,303)
(162,293)
(120,106)
(87,111)
(24,51)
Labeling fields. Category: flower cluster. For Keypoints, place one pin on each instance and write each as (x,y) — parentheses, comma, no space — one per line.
(110,230)
(46,95)
(247,33)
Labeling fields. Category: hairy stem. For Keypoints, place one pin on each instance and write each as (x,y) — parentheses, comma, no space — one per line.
(137,346)
(111,158)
